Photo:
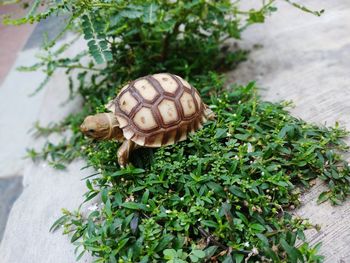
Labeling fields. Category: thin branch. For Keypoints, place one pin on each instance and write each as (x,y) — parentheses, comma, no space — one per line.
(305,9)
(166,41)
(78,67)
(211,239)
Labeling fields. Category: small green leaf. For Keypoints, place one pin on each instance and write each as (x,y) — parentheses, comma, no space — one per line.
(239,258)
(76,236)
(89,185)
(237,191)
(149,13)
(121,244)
(220,133)
(210,251)
(108,208)
(256,17)
(90,196)
(118,199)
(135,206)
(58,166)
(138,188)
(209,223)
(128,171)
(198,253)
(131,13)
(323,197)
(164,242)
(194,258)
(263,238)
(286,130)
(144,259)
(282,183)
(169,253)
(145,197)
(104,195)
(242,137)
(292,252)
(81,254)
(58,223)
(134,223)
(228,259)
(242,217)
(257,227)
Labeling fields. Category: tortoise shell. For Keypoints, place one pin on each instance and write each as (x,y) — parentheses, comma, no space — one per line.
(158,110)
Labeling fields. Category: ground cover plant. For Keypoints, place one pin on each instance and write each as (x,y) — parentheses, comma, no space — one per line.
(221,196)
(224,195)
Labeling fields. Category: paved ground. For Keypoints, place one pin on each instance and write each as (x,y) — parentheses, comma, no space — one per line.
(12,39)
(19,45)
(303,58)
(45,190)
(307,59)
(10,189)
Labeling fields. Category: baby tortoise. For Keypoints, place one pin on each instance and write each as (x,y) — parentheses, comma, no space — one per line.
(152,111)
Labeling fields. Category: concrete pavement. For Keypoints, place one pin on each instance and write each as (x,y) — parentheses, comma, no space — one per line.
(306,59)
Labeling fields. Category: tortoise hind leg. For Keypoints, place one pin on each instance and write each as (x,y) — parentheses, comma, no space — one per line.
(208,113)
(124,152)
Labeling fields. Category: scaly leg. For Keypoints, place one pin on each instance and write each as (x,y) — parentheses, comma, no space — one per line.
(209,114)
(124,152)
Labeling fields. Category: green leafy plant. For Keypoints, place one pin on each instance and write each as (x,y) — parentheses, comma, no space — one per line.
(227,193)
(178,256)
(142,37)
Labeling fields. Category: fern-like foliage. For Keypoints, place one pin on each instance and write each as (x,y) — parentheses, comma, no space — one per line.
(94,33)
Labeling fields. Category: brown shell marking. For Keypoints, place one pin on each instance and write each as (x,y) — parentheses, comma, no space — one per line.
(158,110)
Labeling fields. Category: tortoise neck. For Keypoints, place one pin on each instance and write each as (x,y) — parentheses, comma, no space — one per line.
(114,131)
(112,123)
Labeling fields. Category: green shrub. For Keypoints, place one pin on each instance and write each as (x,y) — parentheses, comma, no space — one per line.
(223,194)
(142,37)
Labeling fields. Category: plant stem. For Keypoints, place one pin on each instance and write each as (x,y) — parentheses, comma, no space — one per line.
(79,67)
(166,41)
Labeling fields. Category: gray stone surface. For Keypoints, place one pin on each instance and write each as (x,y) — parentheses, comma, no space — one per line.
(10,189)
(18,112)
(27,238)
(47,29)
(307,59)
(45,191)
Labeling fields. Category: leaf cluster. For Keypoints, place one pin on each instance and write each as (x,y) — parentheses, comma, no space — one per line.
(142,37)
(228,191)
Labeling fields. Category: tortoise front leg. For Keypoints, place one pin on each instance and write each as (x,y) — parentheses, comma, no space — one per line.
(124,152)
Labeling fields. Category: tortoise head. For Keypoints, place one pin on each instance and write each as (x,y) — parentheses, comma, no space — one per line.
(102,126)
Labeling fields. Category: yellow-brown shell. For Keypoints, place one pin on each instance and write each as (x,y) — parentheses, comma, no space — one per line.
(158,110)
